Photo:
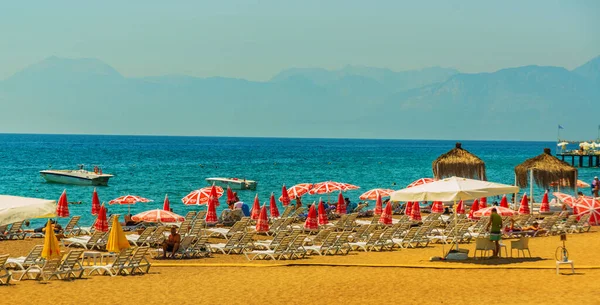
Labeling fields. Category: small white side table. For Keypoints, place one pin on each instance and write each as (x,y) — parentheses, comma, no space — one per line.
(558,263)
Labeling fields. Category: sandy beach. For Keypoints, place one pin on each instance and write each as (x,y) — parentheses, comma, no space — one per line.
(404,275)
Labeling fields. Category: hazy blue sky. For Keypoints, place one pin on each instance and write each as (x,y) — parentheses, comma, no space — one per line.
(257,39)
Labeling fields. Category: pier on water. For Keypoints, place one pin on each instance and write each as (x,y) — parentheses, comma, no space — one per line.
(580,160)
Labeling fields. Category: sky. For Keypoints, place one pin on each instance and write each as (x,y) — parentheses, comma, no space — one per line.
(257,39)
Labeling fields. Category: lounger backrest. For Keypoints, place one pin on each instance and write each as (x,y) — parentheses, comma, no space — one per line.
(72,259)
(96,236)
(186,242)
(3,259)
(138,255)
(329,240)
(145,234)
(16,227)
(34,255)
(72,223)
(279,237)
(287,211)
(3,229)
(123,257)
(184,227)
(283,246)
(200,215)
(51,264)
(190,215)
(343,238)
(234,240)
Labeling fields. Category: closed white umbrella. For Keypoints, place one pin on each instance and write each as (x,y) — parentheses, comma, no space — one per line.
(453,189)
(15,208)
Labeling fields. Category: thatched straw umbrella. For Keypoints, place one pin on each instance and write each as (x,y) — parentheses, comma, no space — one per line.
(459,162)
(545,169)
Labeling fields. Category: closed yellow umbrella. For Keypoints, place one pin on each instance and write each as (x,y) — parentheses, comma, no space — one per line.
(117,240)
(51,247)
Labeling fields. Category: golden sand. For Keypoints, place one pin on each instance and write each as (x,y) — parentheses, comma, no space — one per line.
(491,281)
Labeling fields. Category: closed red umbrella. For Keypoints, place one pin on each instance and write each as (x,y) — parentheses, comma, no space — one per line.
(285,197)
(524,208)
(262,224)
(483,202)
(341,204)
(255,213)
(408,208)
(386,216)
(415,214)
(101,223)
(95,203)
(311,219)
(273,207)
(322,214)
(588,205)
(437,207)
(202,195)
(504,202)
(460,209)
(372,194)
(158,215)
(166,203)
(214,195)
(230,196)
(378,206)
(545,207)
(474,208)
(62,209)
(420,181)
(211,213)
(500,210)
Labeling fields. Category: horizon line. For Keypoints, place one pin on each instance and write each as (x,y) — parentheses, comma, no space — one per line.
(268,137)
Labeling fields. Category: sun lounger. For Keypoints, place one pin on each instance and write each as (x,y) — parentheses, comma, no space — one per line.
(16,231)
(24,262)
(140,240)
(325,247)
(71,265)
(138,263)
(96,240)
(201,248)
(239,226)
(118,266)
(227,247)
(271,244)
(71,228)
(49,270)
(157,237)
(191,215)
(281,251)
(5,275)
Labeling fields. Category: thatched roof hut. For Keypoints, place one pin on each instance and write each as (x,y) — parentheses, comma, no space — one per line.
(459,162)
(546,169)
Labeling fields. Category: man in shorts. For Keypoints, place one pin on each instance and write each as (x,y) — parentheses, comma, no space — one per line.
(172,243)
(495,228)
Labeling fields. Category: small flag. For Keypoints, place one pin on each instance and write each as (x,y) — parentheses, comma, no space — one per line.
(560,127)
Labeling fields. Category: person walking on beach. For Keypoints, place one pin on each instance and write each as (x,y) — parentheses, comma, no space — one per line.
(595,186)
(172,243)
(495,228)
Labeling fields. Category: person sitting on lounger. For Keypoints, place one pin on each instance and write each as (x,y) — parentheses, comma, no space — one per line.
(360,209)
(172,243)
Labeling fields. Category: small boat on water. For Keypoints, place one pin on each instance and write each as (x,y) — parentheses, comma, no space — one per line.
(77,177)
(233,183)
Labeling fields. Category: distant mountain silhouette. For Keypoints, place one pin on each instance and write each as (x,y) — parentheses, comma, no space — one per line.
(61,95)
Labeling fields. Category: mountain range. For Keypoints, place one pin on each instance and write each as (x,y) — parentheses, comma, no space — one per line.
(88,96)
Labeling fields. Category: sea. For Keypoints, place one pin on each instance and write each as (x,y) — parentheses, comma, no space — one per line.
(155,166)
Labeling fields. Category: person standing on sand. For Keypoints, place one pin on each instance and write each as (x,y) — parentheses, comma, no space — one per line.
(595,186)
(495,228)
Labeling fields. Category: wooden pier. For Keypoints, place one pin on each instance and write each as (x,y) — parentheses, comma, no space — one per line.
(579,160)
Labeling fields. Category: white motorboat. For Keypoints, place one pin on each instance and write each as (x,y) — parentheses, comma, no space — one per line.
(233,183)
(77,177)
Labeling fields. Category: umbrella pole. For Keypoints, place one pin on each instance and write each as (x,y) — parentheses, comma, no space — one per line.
(516,194)
(531,188)
(455,222)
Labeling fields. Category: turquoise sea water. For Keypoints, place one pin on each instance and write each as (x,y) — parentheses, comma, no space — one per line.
(152,166)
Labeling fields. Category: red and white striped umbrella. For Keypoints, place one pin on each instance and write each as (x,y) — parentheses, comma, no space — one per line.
(262,224)
(95,203)
(460,209)
(297,190)
(588,205)
(565,198)
(322,214)
(378,206)
(483,202)
(340,208)
(545,207)
(211,212)
(311,219)
(524,208)
(101,223)
(128,199)
(285,196)
(158,215)
(386,216)
(202,195)
(255,213)
(437,207)
(408,208)
(504,202)
(372,194)
(415,214)
(349,187)
(474,208)
(62,208)
(273,207)
(421,181)
(326,187)
(488,211)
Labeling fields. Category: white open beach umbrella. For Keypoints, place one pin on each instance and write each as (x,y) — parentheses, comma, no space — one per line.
(453,189)
(15,208)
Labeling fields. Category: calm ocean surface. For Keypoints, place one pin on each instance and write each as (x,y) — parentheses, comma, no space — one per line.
(152,166)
